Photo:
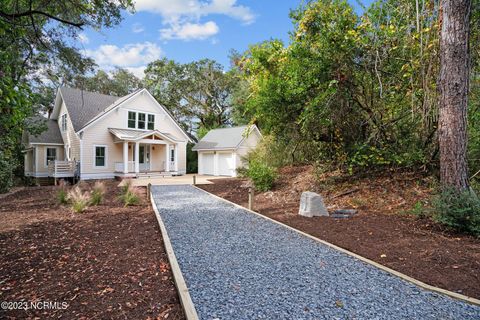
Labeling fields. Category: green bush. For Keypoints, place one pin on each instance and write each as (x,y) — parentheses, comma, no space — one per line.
(62,196)
(78,199)
(130,198)
(129,195)
(458,210)
(97,193)
(262,175)
(7,165)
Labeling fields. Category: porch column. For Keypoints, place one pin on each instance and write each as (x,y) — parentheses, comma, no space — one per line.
(137,157)
(125,157)
(176,158)
(167,158)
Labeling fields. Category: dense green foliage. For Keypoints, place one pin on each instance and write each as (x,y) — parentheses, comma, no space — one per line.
(197,93)
(355,91)
(458,210)
(35,43)
(262,175)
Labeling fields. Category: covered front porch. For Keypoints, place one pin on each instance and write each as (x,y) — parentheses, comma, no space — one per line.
(145,153)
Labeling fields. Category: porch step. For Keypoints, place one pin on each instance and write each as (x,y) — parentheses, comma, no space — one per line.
(155,174)
(44,181)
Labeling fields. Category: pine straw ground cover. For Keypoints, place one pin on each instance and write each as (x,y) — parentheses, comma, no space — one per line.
(382,230)
(105,263)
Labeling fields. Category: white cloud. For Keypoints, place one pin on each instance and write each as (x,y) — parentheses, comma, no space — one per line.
(195,9)
(189,31)
(82,37)
(182,17)
(133,57)
(137,28)
(133,54)
(139,72)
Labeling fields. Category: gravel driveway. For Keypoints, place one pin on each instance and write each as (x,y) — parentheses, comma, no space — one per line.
(240,266)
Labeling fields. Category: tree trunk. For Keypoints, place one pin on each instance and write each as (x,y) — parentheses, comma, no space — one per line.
(454,87)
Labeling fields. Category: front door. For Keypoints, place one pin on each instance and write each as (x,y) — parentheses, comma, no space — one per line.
(144,157)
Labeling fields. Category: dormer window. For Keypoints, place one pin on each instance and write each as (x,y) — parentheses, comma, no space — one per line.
(64,122)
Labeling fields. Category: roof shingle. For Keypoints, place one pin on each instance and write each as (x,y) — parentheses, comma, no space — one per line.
(83,105)
(224,138)
(51,135)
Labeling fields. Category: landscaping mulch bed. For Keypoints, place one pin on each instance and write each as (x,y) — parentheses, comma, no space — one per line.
(106,263)
(417,247)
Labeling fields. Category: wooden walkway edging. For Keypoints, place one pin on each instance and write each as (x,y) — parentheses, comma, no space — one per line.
(359,257)
(183,293)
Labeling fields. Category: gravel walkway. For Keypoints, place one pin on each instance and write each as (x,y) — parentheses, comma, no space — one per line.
(240,266)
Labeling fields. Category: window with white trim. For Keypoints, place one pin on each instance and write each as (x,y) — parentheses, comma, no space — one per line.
(172,155)
(51,155)
(132,119)
(64,122)
(141,121)
(100,156)
(151,122)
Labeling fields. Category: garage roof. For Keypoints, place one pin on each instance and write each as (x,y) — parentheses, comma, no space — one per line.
(224,138)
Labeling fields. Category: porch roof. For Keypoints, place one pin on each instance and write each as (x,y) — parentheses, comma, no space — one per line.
(135,135)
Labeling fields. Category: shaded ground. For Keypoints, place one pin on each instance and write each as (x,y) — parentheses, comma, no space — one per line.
(380,231)
(106,263)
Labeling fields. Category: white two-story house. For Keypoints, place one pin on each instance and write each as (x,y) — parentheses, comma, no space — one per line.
(96,136)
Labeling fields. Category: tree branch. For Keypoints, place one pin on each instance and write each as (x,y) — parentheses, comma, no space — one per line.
(12,16)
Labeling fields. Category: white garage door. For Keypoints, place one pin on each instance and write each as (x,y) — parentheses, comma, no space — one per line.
(207,163)
(225,164)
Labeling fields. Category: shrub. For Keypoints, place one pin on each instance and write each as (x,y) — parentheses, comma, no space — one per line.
(419,210)
(62,194)
(458,210)
(78,199)
(97,193)
(262,175)
(126,185)
(130,195)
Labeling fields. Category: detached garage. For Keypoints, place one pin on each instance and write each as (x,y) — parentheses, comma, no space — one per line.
(220,152)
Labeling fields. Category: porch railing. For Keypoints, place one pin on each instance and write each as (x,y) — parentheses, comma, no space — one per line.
(62,169)
(119,166)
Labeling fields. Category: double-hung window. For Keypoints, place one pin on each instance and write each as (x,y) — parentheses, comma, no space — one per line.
(141,121)
(100,156)
(151,122)
(132,117)
(51,155)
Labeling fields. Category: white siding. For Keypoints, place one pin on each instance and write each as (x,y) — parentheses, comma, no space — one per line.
(98,134)
(70,138)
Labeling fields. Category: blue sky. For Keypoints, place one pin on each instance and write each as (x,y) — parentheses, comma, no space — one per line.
(188,30)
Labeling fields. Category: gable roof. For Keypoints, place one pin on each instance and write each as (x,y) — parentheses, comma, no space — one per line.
(83,106)
(223,138)
(86,107)
(134,135)
(51,135)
